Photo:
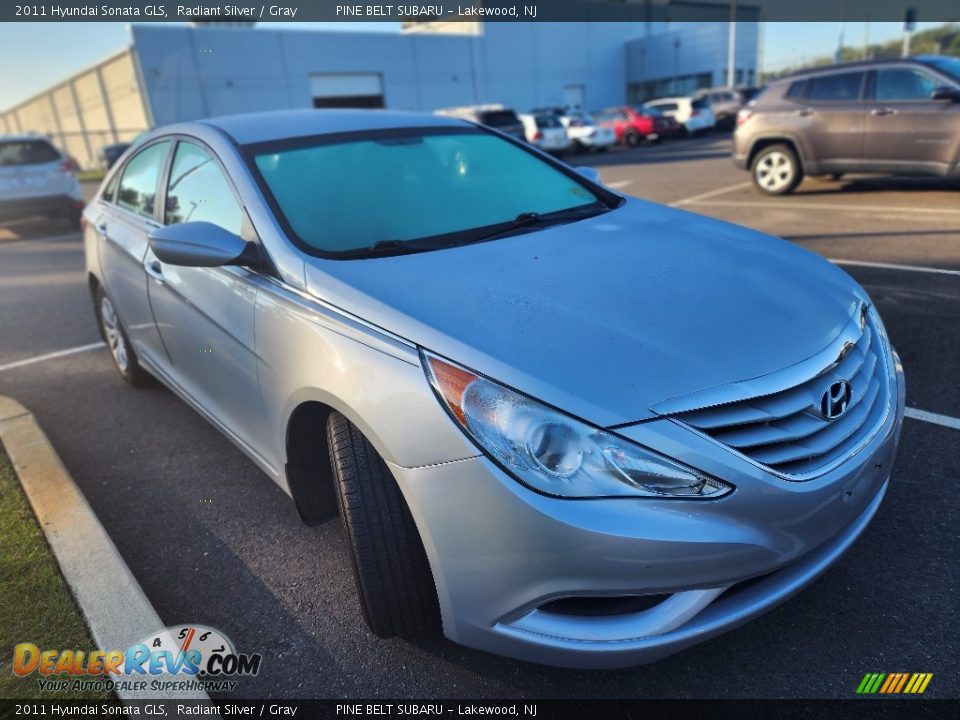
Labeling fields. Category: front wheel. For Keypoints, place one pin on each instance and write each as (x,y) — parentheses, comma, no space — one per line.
(397,593)
(776,170)
(631,138)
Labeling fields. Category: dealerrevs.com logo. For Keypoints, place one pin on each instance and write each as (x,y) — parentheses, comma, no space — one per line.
(183,657)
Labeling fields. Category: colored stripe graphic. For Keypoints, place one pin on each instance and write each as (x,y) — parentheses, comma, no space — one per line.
(894,683)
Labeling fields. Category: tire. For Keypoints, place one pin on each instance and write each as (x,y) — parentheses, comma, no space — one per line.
(121,352)
(396,588)
(631,138)
(776,170)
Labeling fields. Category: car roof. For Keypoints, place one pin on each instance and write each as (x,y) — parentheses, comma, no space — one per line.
(679,98)
(281,124)
(856,65)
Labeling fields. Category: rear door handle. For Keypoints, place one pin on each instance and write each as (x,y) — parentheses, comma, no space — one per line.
(883,111)
(155,270)
(806,112)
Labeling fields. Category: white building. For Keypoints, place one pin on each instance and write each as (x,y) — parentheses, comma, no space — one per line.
(174,72)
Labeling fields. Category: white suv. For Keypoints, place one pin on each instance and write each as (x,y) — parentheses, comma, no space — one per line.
(693,114)
(37,179)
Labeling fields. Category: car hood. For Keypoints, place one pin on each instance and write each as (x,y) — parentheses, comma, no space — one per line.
(608,316)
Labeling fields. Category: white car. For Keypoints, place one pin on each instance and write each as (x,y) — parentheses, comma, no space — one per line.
(585,133)
(693,114)
(546,132)
(37,179)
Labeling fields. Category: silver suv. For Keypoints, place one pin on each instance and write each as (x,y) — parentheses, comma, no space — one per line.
(891,116)
(37,179)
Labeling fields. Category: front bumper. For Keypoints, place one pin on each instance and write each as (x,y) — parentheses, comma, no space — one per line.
(500,552)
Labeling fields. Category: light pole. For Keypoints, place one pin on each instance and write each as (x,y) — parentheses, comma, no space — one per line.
(732,45)
(676,65)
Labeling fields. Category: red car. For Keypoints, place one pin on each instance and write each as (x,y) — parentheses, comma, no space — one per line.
(637,125)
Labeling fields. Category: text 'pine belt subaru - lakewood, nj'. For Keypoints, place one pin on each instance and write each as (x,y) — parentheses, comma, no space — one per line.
(578,428)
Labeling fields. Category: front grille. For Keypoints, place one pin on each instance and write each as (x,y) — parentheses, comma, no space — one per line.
(786,430)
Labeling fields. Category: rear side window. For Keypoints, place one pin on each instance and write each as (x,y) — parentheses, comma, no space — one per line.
(27,152)
(138,185)
(547,121)
(797,89)
(836,87)
(665,107)
(198,191)
(110,190)
(903,84)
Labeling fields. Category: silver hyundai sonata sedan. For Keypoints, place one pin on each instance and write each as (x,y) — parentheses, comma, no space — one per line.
(578,428)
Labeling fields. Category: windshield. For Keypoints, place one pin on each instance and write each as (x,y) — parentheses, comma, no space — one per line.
(27,152)
(349,194)
(948,65)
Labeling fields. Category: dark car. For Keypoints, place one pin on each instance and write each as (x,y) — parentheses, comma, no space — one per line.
(884,116)
(109,154)
(494,115)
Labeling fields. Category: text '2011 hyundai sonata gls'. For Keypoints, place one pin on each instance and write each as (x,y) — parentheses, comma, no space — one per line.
(580,429)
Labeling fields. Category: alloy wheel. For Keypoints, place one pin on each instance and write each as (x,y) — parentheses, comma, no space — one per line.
(115,339)
(775,171)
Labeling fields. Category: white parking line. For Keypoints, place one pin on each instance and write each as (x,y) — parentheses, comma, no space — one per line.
(819,206)
(713,193)
(51,356)
(936,419)
(888,266)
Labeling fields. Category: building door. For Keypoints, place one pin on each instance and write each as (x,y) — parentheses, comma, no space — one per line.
(573,97)
(347,90)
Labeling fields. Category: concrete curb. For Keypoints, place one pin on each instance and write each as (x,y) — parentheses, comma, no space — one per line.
(109,596)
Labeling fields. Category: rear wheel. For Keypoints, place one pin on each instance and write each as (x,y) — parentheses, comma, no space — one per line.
(776,170)
(124,358)
(396,588)
(631,138)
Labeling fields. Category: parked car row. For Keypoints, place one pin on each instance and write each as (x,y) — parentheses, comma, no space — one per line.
(558,130)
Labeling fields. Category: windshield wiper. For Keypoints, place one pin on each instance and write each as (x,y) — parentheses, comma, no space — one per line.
(534,220)
(383,248)
(393,247)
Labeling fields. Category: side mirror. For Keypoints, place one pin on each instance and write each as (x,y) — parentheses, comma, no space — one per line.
(591,174)
(197,244)
(945,92)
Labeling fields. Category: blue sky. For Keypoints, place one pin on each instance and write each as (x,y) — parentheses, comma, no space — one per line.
(36,55)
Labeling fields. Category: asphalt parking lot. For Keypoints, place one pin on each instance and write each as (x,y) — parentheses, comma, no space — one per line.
(213,541)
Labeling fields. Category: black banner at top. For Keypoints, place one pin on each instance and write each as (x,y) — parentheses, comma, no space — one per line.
(245,11)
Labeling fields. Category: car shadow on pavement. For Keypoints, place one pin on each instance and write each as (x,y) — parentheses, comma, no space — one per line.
(870,184)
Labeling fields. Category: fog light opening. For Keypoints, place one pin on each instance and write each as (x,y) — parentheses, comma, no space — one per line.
(602,606)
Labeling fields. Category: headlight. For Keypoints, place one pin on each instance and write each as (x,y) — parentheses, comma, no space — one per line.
(554,453)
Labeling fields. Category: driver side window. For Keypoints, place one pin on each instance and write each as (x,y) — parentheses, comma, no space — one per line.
(904,84)
(198,191)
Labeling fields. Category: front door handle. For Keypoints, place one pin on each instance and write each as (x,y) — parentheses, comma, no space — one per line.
(883,111)
(155,270)
(805,112)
